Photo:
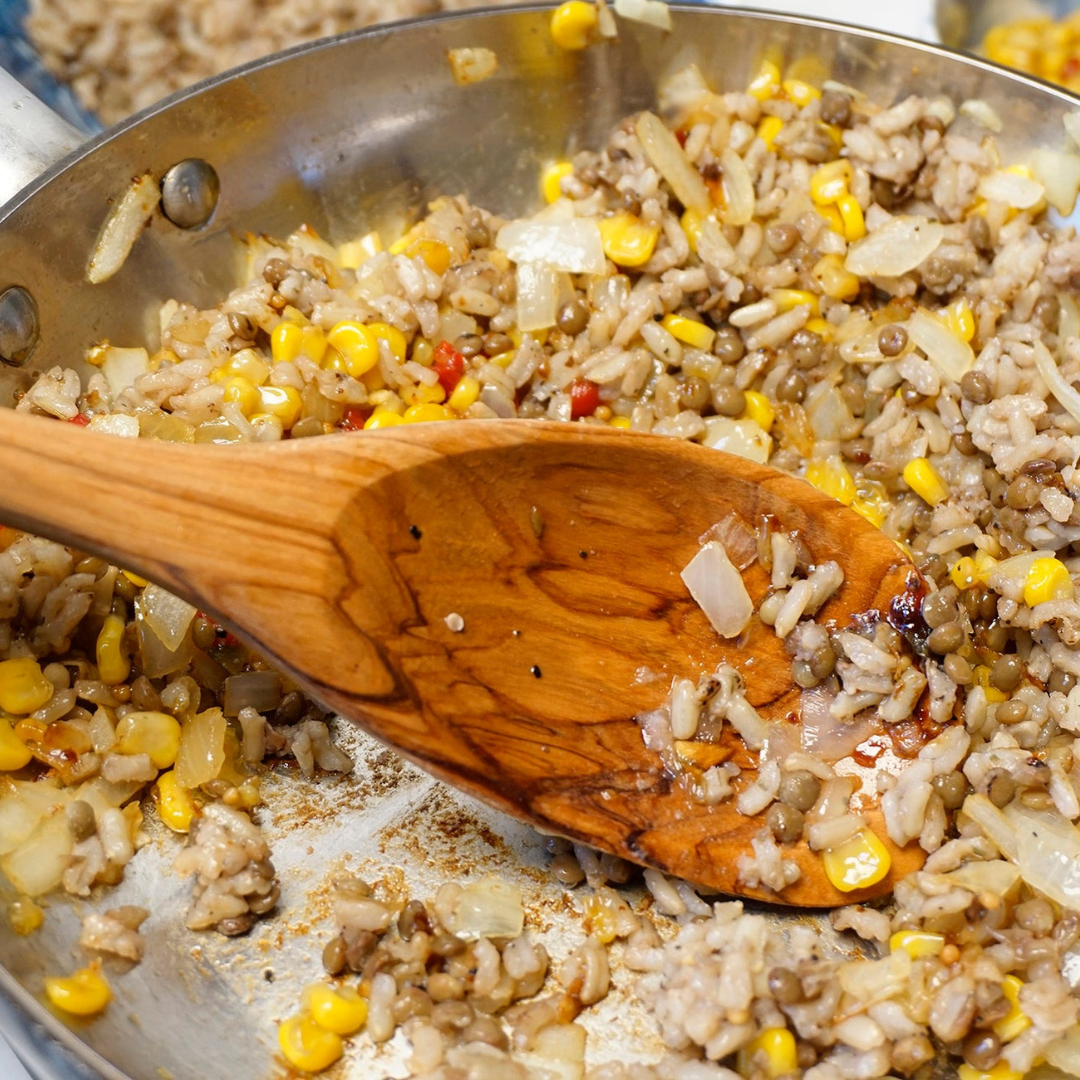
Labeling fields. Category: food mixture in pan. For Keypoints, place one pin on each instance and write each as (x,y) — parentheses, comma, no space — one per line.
(860,293)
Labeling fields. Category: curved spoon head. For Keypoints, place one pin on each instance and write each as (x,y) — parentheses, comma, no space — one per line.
(517,591)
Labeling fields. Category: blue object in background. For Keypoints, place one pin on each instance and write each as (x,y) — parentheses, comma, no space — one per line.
(19,57)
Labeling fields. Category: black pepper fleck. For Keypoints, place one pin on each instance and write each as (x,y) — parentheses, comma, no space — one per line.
(414,532)
(268,975)
(583,554)
(537,673)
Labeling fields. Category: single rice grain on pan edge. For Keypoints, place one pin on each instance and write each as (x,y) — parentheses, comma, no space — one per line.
(862,294)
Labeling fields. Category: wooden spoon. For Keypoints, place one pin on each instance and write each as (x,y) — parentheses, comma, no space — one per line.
(344,560)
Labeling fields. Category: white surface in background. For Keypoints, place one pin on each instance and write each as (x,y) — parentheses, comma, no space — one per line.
(912,18)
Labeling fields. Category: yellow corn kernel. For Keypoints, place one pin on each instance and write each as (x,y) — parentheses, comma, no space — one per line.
(836,281)
(13,751)
(383,418)
(692,223)
(338,1009)
(627,240)
(768,129)
(150,732)
(243,393)
(313,343)
(993,695)
(964,573)
(851,216)
(23,687)
(113,661)
(355,252)
(836,134)
(284,402)
(551,180)
(766,82)
(925,481)
(83,993)
(423,352)
(1001,1071)
(1011,1025)
(573,25)
(307,1046)
(410,237)
(600,919)
(357,344)
(799,92)
(1048,579)
(689,331)
(464,394)
(246,364)
(504,359)
(832,218)
(874,510)
(424,394)
(419,414)
(622,422)
(822,327)
(917,943)
(830,182)
(175,806)
(138,582)
(393,337)
(25,916)
(786,299)
(775,1049)
(831,476)
(435,254)
(285,341)
(760,409)
(858,863)
(294,315)
(984,565)
(959,319)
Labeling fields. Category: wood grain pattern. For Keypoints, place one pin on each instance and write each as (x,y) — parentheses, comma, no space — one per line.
(341,557)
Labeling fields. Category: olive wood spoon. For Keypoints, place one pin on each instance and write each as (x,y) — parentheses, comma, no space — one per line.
(560,547)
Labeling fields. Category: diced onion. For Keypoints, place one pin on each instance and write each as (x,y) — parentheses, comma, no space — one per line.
(472,65)
(1060,175)
(950,354)
(994,824)
(121,367)
(38,864)
(823,735)
(717,588)
(118,424)
(738,188)
(651,12)
(488,908)
(1067,396)
(664,151)
(995,876)
(1065,1053)
(1048,853)
(738,539)
(166,615)
(261,690)
(122,228)
(1012,189)
(983,113)
(1071,120)
(744,438)
(574,245)
(202,749)
(898,246)
(537,296)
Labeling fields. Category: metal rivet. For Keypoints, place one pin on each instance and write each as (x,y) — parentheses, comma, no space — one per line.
(19,326)
(189,193)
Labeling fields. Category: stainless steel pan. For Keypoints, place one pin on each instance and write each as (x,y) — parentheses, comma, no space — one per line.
(348,134)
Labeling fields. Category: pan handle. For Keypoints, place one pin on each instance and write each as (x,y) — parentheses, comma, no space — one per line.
(32,137)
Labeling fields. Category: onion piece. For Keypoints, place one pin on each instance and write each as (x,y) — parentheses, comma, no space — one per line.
(994,876)
(663,150)
(1067,396)
(166,615)
(1065,1053)
(1012,189)
(738,189)
(738,539)
(823,735)
(117,424)
(122,228)
(1048,853)
(537,296)
(717,588)
(121,367)
(261,690)
(994,824)
(983,113)
(898,246)
(202,749)
(572,245)
(744,438)
(605,21)
(651,12)
(470,66)
(39,862)
(1071,120)
(951,355)
(488,908)
(1060,175)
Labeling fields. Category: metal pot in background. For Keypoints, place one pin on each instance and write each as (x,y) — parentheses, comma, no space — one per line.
(962,24)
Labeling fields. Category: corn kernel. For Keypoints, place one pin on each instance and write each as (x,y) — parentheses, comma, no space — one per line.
(760,409)
(832,218)
(307,1046)
(627,240)
(851,216)
(836,281)
(768,129)
(465,394)
(175,807)
(984,565)
(338,1009)
(383,419)
(243,393)
(113,661)
(419,414)
(551,180)
(822,327)
(1048,579)
(393,337)
(964,573)
(573,25)
(959,319)
(786,299)
(138,582)
(692,223)
(1011,1025)
(689,331)
(830,182)
(83,993)
(424,394)
(925,481)
(1001,1071)
(835,133)
(858,863)
(993,695)
(504,359)
(398,246)
(313,343)
(285,341)
(423,352)
(23,687)
(775,1049)
(435,253)
(600,919)
(831,476)
(356,252)
(246,364)
(872,511)
(357,344)
(766,82)
(25,916)
(917,943)
(623,422)
(150,732)
(13,751)
(284,402)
